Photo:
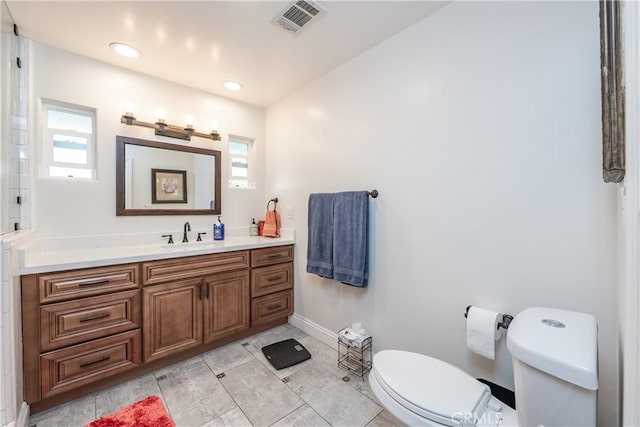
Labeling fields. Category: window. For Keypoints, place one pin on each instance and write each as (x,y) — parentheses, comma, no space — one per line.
(69,142)
(241,168)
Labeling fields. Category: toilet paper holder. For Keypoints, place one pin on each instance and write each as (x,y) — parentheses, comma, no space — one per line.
(506,319)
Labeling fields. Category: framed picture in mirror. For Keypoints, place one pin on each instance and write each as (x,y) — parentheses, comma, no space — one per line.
(168,186)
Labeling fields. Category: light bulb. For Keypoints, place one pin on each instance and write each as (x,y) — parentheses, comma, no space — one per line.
(231,85)
(125,50)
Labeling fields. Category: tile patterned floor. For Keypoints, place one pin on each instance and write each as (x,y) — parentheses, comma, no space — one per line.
(251,392)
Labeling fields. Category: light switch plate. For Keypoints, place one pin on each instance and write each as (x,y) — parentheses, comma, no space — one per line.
(289,212)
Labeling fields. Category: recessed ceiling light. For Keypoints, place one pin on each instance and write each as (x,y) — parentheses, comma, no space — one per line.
(231,85)
(125,50)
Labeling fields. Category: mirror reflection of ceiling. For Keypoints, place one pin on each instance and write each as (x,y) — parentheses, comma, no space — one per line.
(208,42)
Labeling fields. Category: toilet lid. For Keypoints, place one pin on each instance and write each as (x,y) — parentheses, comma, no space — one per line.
(430,387)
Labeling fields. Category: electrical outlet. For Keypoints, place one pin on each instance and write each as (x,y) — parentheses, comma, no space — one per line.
(289,212)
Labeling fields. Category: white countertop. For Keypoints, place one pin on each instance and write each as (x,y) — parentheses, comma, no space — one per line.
(35,261)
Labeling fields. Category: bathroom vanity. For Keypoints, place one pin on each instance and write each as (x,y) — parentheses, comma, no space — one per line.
(91,327)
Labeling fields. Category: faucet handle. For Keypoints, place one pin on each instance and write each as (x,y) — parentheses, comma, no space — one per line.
(170,236)
(199,239)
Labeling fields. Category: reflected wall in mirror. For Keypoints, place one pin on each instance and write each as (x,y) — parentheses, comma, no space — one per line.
(136,194)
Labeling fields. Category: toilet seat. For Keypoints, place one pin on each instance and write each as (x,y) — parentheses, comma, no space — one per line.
(430,388)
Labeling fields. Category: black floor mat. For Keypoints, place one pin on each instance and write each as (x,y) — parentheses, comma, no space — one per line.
(285,353)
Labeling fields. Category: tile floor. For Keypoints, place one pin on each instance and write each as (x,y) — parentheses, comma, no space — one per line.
(250,393)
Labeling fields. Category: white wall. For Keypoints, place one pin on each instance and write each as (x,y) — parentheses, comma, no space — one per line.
(80,208)
(144,159)
(12,383)
(480,127)
(629,242)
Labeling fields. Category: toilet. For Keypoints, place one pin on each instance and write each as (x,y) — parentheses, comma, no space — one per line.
(555,357)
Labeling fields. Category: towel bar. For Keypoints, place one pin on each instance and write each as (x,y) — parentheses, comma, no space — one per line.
(275,203)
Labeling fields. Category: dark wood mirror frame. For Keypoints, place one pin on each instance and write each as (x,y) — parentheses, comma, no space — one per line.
(612,76)
(121,210)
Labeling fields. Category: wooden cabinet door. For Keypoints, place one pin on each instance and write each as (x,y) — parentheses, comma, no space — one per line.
(226,305)
(172,318)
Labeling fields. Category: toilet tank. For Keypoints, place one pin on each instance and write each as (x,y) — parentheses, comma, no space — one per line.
(555,367)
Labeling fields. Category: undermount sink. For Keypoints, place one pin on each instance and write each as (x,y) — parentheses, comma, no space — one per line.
(193,245)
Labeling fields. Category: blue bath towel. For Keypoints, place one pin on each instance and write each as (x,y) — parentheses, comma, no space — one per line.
(350,222)
(320,237)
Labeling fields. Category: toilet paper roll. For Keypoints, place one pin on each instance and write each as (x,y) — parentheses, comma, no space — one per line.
(483,331)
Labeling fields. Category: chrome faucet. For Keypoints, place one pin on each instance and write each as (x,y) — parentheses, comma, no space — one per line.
(187,227)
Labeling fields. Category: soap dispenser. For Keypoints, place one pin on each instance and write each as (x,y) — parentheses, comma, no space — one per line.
(218,230)
(253,228)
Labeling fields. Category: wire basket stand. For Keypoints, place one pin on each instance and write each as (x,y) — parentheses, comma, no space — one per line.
(357,360)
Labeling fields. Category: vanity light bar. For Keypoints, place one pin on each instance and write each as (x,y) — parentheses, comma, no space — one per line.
(172,131)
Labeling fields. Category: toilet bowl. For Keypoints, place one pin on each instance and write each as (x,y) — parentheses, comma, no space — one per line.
(422,391)
(555,373)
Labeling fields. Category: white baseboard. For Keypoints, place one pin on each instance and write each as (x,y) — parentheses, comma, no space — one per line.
(317,331)
(23,417)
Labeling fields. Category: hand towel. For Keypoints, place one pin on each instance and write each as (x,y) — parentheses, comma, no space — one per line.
(350,227)
(320,235)
(271,224)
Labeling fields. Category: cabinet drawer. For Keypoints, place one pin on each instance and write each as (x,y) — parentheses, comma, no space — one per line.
(274,255)
(88,282)
(75,366)
(72,322)
(201,265)
(271,307)
(275,278)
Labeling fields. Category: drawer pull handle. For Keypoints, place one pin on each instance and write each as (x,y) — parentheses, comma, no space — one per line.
(94,282)
(274,279)
(274,256)
(274,306)
(96,317)
(102,359)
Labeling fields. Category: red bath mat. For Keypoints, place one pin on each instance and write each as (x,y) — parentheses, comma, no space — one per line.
(148,412)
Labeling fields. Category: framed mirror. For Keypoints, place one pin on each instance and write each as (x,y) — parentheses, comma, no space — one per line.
(156,178)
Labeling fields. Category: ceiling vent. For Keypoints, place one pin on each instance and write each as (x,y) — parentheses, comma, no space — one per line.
(298,14)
